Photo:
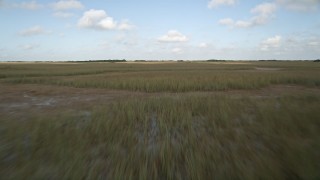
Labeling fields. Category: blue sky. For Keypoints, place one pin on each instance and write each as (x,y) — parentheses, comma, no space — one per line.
(159,30)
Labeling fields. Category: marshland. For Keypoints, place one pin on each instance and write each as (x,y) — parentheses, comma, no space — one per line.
(160,120)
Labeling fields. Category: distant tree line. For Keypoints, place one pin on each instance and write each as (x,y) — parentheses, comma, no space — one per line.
(140,61)
(109,60)
(269,60)
(215,60)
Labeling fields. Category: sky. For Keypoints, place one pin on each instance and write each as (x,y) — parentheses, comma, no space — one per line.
(66,30)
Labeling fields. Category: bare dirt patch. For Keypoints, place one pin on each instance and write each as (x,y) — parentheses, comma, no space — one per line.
(21,102)
(54,96)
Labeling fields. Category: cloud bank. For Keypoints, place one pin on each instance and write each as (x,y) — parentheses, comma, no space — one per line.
(216,3)
(99,20)
(262,14)
(173,36)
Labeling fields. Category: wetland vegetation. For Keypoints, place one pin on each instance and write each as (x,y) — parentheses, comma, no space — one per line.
(161,120)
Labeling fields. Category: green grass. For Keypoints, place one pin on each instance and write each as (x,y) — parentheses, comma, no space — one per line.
(179,135)
(171,137)
(170,77)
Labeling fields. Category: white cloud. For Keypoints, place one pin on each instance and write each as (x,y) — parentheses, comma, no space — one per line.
(30,5)
(264,9)
(216,3)
(60,7)
(99,20)
(107,23)
(60,14)
(295,46)
(173,36)
(67,4)
(272,42)
(226,21)
(299,5)
(35,30)
(263,13)
(125,25)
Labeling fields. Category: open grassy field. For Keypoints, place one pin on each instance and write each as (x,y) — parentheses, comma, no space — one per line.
(186,120)
(165,77)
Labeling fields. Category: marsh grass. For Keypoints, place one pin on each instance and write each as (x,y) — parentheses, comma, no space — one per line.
(194,135)
(168,137)
(173,77)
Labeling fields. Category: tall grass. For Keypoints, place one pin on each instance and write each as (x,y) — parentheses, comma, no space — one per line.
(173,136)
(173,77)
(170,137)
